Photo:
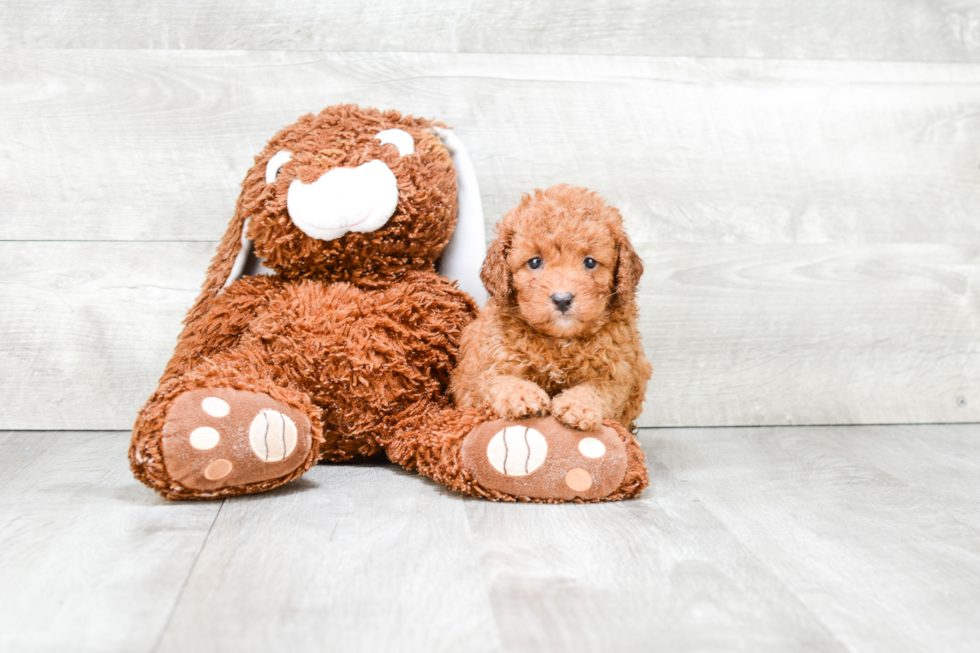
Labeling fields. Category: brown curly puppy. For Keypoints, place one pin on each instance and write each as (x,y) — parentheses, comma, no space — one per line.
(552,369)
(559,333)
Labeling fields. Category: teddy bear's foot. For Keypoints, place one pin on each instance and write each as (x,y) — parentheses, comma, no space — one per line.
(541,459)
(216,438)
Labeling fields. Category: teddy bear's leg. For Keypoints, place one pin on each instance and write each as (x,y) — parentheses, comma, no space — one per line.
(531,459)
(226,428)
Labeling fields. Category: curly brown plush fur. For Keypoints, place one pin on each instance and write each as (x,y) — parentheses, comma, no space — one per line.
(357,333)
(561,248)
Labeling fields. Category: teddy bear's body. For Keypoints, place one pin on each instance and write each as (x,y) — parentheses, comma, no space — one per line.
(363,355)
(352,333)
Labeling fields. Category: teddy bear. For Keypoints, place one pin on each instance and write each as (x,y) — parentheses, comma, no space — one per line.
(322,322)
(324,331)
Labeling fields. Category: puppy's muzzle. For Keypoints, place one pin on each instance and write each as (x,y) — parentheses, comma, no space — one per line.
(562,301)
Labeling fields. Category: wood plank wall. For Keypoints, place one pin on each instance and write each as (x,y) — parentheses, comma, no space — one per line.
(802,181)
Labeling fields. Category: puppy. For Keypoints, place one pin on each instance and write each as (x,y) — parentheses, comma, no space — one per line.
(559,333)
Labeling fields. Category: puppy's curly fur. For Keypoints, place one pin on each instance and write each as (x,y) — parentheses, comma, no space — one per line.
(559,334)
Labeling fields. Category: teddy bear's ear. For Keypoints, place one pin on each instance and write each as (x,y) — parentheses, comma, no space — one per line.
(245,263)
(234,259)
(460,261)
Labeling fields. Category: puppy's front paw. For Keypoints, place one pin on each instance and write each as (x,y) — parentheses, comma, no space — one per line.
(521,399)
(578,408)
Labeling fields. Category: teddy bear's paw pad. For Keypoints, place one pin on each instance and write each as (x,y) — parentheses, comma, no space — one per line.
(217,438)
(540,458)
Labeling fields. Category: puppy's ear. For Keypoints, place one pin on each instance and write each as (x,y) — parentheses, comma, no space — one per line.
(495,273)
(629,269)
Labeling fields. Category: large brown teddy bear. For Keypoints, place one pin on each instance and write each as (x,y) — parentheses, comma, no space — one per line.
(350,329)
(324,331)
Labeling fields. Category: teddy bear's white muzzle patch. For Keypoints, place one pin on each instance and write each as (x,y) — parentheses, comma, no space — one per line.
(342,200)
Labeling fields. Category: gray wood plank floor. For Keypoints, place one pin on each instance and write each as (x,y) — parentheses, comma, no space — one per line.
(749,539)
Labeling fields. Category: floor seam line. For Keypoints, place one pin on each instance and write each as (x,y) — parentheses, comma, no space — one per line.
(762,563)
(183,587)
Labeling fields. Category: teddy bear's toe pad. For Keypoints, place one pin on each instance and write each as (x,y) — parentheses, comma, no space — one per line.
(216,438)
(539,458)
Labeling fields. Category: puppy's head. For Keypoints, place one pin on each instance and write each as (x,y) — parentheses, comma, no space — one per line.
(562,260)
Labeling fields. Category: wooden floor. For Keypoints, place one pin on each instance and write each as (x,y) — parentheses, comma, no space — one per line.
(748,539)
(802,181)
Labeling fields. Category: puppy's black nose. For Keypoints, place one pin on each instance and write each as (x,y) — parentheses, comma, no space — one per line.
(562,302)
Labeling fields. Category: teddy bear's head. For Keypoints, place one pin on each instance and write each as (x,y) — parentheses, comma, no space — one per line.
(351,194)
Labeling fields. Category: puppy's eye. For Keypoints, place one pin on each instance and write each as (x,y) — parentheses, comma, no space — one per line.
(535,263)
(590,262)
(400,138)
(275,164)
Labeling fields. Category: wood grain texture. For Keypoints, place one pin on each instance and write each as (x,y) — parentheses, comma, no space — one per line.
(874,556)
(655,573)
(739,334)
(348,558)
(939,30)
(811,334)
(119,145)
(939,461)
(89,559)
(436,572)
(88,327)
(751,539)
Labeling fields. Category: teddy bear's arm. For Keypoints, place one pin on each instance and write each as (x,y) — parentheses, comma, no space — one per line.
(216,325)
(441,307)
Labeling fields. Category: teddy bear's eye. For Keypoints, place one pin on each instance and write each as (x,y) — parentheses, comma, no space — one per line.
(275,164)
(535,263)
(402,140)
(590,262)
